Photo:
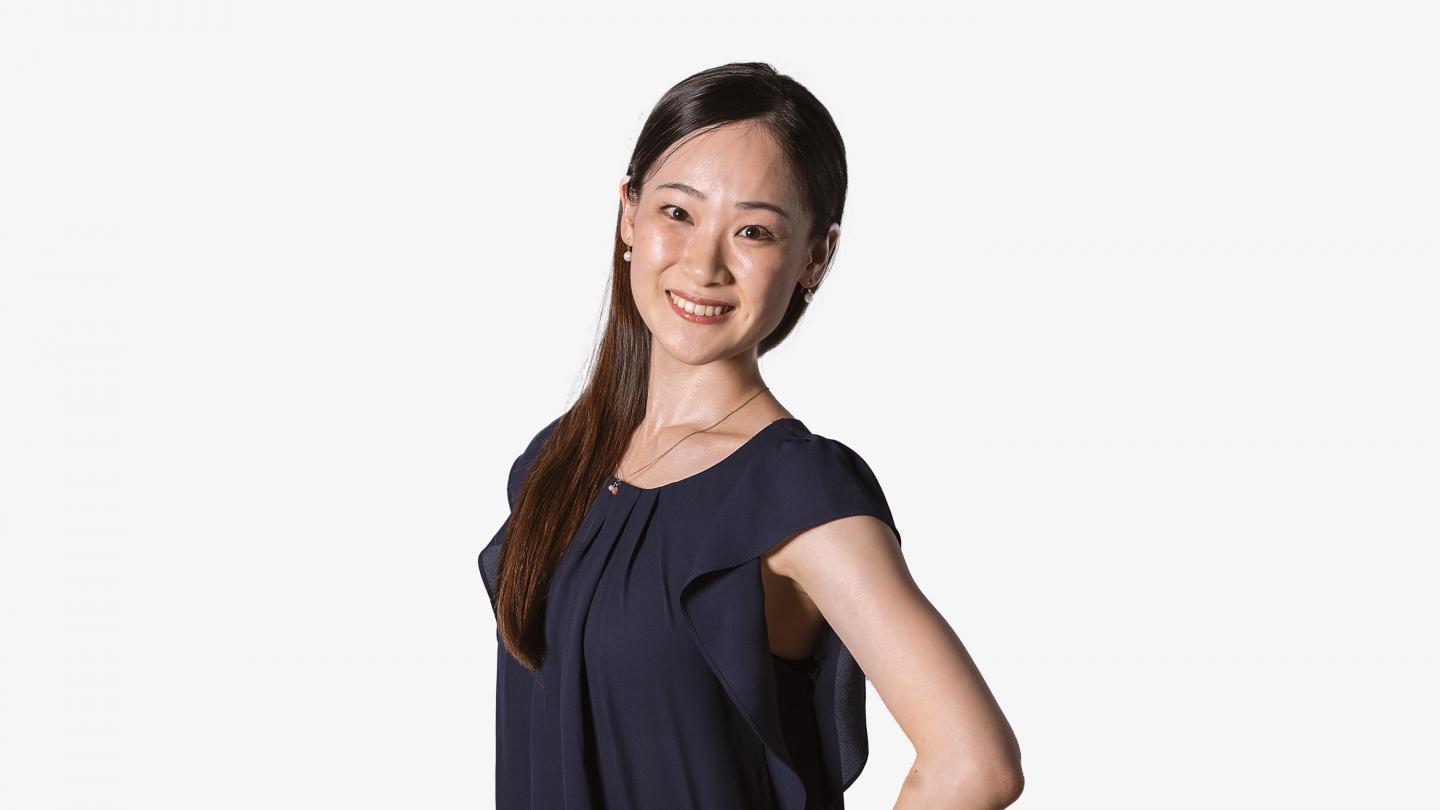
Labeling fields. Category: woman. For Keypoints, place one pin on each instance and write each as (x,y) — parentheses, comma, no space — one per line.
(692,587)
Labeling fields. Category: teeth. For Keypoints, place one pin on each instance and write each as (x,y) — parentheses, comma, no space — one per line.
(703,311)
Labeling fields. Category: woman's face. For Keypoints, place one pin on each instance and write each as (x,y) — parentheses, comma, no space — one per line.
(720,221)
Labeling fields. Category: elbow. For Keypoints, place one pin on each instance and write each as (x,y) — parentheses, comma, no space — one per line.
(989,785)
(1007,787)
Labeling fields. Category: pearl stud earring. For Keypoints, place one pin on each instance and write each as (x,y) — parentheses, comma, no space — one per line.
(810,295)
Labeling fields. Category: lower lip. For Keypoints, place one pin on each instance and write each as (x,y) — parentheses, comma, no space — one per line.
(692,317)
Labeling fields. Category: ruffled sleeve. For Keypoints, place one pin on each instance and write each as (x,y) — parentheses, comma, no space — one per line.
(490,555)
(799,482)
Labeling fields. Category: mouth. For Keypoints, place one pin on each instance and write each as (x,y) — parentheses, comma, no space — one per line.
(698,310)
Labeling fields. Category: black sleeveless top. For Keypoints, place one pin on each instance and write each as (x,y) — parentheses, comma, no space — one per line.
(659,688)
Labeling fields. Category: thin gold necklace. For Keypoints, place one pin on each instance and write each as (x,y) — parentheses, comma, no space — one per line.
(616,480)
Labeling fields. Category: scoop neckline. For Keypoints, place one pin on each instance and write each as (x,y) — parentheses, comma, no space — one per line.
(734,455)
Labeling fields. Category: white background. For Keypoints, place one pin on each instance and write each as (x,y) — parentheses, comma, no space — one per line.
(1134,316)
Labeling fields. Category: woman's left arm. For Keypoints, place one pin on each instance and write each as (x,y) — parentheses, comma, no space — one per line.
(966,753)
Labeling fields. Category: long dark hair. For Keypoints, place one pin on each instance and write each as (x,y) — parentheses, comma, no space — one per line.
(590,438)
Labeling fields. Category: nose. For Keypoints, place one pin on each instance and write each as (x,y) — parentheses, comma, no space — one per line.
(704,259)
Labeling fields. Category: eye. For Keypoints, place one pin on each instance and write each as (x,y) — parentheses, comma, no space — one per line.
(667,205)
(765,234)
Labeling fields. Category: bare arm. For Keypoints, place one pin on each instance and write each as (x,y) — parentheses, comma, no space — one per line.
(966,753)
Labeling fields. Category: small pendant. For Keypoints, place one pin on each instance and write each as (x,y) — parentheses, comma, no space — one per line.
(615,487)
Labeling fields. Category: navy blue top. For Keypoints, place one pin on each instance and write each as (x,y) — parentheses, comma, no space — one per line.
(659,688)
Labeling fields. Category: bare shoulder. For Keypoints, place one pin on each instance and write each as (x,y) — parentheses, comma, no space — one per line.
(854,549)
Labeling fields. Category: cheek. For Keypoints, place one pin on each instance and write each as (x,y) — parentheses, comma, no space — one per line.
(646,257)
(659,245)
(764,285)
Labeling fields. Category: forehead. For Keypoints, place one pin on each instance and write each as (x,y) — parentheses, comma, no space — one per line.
(737,160)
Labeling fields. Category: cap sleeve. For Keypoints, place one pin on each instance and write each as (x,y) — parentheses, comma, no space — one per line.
(798,483)
(490,554)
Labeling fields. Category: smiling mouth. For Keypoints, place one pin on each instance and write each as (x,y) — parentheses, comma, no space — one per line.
(697,313)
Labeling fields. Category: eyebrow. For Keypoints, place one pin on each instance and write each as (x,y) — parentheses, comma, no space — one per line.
(747,204)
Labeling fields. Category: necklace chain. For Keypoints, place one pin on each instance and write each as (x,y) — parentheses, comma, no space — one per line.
(617,480)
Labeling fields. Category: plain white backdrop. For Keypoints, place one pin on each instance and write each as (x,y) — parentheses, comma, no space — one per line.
(1134,315)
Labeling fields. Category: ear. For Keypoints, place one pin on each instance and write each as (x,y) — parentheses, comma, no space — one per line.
(819,259)
(628,210)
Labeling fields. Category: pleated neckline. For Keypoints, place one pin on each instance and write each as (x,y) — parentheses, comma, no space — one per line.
(736,455)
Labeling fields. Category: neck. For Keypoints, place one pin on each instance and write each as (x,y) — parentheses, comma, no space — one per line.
(685,395)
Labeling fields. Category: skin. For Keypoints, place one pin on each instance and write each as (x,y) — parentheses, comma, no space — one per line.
(847,572)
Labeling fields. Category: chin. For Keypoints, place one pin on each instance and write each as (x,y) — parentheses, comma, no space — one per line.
(691,349)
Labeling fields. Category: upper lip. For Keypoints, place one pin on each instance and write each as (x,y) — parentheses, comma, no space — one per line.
(705,302)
